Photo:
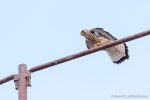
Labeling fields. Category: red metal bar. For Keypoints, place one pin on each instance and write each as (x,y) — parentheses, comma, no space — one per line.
(6,79)
(86,52)
(22,88)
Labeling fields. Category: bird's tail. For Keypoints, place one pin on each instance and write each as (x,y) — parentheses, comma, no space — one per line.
(118,53)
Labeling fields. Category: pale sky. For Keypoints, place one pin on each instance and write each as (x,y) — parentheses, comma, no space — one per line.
(38,31)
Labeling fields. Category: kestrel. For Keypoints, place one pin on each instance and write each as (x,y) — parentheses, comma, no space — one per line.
(98,37)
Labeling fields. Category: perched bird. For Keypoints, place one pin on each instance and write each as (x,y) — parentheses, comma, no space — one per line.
(98,37)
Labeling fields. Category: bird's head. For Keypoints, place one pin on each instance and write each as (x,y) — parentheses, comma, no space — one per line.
(89,32)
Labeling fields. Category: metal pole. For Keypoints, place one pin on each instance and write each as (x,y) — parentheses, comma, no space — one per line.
(80,54)
(22,85)
(86,52)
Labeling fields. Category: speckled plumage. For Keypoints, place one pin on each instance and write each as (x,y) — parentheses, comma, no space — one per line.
(98,37)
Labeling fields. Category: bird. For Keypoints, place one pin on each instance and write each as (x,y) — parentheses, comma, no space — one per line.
(98,37)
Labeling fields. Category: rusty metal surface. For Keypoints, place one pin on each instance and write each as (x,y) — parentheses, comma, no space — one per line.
(6,79)
(22,83)
(86,52)
(80,54)
(16,79)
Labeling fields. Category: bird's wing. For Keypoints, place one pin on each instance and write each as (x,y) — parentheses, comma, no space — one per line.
(104,33)
(119,53)
(88,44)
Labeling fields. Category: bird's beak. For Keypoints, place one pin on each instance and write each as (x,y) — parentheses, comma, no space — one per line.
(82,33)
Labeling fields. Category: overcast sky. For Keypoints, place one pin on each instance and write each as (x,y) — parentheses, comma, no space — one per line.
(37,31)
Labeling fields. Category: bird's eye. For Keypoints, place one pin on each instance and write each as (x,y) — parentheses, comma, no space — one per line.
(92,31)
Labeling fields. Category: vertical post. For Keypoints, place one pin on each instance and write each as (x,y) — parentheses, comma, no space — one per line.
(22,85)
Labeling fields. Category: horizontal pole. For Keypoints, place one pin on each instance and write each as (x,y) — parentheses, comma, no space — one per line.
(80,54)
(6,79)
(89,51)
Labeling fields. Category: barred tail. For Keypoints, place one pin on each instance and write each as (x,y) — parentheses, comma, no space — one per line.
(118,53)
